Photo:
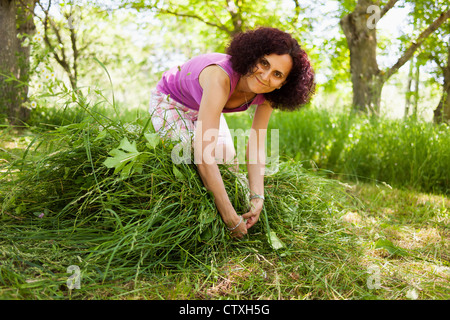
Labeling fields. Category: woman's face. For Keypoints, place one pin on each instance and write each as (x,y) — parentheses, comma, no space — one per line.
(270,74)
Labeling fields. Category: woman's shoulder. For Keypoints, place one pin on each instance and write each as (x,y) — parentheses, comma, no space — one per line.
(204,60)
(214,74)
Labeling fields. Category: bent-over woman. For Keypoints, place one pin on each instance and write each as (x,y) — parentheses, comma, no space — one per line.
(265,67)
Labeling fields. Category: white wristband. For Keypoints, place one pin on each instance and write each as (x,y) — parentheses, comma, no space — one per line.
(256,196)
(240,221)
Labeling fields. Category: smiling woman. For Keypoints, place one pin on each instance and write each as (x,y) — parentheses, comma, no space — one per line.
(270,73)
(247,51)
(264,67)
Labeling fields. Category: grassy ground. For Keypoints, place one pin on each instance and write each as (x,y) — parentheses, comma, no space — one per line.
(375,243)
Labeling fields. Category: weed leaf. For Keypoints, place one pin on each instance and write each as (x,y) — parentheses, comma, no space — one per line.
(123,158)
(274,241)
(101,135)
(177,173)
(127,146)
(153,140)
(390,247)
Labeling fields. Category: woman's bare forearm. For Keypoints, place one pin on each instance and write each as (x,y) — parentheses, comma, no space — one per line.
(256,162)
(256,178)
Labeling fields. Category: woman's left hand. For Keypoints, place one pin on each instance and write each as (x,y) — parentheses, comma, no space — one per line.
(255,210)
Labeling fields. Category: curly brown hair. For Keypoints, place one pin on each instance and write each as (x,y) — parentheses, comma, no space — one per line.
(247,48)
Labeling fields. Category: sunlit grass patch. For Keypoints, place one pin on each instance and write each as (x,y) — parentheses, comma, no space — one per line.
(405,237)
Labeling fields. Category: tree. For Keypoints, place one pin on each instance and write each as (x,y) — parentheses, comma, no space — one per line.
(437,50)
(413,73)
(359,28)
(227,19)
(442,111)
(16,19)
(54,40)
(222,19)
(75,35)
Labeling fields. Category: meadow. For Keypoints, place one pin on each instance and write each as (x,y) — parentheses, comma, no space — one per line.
(357,209)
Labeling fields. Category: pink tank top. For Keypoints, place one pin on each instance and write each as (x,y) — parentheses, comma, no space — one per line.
(182,85)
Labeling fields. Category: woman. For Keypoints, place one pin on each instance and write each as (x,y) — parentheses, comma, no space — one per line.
(264,67)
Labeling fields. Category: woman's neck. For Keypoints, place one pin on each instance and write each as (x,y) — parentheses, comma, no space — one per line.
(243,89)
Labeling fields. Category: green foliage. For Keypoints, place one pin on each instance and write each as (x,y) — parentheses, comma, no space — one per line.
(124,159)
(390,247)
(410,154)
(434,51)
(107,35)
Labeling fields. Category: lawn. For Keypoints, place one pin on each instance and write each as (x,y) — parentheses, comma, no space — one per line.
(332,240)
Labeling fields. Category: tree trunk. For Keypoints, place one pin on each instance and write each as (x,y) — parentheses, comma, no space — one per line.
(442,112)
(15,18)
(367,79)
(362,43)
(25,24)
(8,60)
(236,17)
(408,90)
(416,89)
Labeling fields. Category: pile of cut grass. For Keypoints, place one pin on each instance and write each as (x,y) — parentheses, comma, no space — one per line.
(112,194)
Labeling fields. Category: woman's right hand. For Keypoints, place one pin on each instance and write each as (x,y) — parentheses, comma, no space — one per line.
(241,230)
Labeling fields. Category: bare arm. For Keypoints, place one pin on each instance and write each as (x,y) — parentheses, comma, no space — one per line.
(256,160)
(216,90)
